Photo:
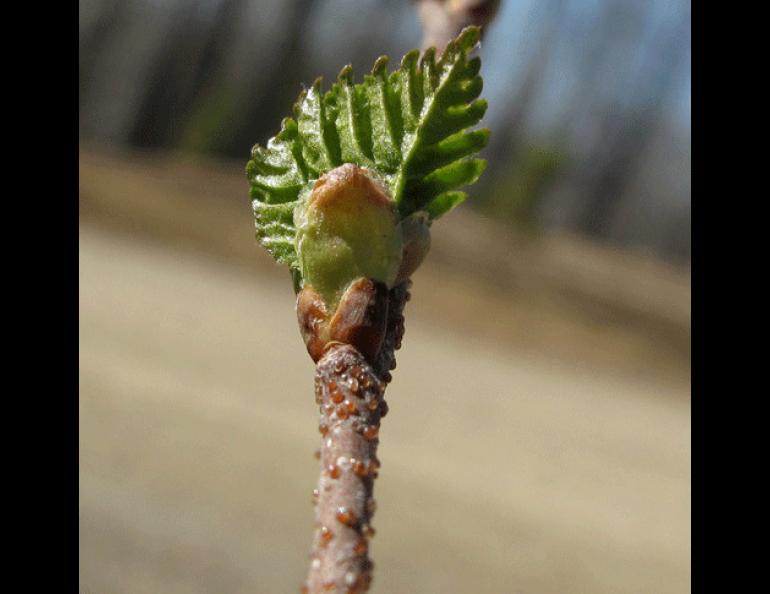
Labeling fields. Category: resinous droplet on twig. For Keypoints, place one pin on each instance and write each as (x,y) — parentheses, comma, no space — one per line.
(359,468)
(346,516)
(326,535)
(353,383)
(361,547)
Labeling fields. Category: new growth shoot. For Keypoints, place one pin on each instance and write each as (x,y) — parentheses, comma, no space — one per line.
(345,195)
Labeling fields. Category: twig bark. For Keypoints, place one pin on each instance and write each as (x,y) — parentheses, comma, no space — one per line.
(350,392)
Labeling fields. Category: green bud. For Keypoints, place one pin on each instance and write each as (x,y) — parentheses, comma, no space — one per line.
(347,228)
(416,232)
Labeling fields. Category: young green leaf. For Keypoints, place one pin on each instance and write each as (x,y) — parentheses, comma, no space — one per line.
(409,127)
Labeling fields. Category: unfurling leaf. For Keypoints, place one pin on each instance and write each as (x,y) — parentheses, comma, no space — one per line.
(408,127)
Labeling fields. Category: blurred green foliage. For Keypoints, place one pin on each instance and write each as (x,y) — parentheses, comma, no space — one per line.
(203,132)
(520,189)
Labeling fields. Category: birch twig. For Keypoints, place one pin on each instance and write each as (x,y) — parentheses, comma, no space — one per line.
(350,392)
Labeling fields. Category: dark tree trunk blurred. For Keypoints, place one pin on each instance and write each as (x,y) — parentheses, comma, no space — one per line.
(259,121)
(98,22)
(193,50)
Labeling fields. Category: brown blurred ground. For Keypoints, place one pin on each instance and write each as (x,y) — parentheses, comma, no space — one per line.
(538,439)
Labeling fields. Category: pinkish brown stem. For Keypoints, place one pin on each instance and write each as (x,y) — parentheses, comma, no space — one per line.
(350,390)
(442,20)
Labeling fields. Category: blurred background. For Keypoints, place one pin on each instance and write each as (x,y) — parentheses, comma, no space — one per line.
(539,434)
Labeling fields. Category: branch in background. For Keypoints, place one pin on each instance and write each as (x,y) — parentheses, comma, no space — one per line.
(442,20)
